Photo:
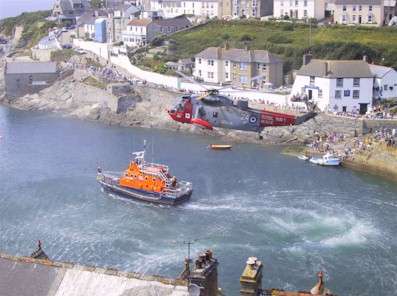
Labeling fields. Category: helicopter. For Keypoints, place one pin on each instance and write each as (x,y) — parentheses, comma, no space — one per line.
(213,110)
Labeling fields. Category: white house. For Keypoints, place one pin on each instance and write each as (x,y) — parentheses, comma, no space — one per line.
(201,8)
(139,32)
(299,9)
(385,82)
(336,86)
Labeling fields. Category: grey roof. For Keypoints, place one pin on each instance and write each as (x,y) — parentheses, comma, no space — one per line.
(358,2)
(49,42)
(25,276)
(179,21)
(336,69)
(239,55)
(380,71)
(30,67)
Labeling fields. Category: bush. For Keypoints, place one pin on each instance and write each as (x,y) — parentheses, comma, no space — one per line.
(287,27)
(277,38)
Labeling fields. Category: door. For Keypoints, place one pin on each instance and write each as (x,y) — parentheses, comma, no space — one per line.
(359,19)
(344,109)
(310,94)
(363,108)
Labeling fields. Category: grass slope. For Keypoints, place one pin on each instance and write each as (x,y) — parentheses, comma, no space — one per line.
(290,41)
(35,26)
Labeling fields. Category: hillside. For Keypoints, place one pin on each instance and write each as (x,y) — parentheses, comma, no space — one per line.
(290,41)
(34,24)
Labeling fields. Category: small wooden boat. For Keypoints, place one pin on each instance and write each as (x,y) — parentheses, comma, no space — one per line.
(220,147)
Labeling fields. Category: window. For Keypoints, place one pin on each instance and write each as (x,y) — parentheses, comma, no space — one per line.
(370,8)
(199,72)
(320,93)
(215,114)
(339,82)
(360,8)
(369,18)
(337,94)
(210,62)
(199,61)
(210,75)
(356,94)
(227,75)
(312,79)
(305,13)
(385,87)
(226,63)
(243,66)
(243,79)
(346,93)
(356,81)
(354,7)
(344,7)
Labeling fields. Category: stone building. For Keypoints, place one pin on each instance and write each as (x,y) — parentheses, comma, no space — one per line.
(28,77)
(240,67)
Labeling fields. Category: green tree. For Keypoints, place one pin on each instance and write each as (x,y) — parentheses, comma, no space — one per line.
(97,3)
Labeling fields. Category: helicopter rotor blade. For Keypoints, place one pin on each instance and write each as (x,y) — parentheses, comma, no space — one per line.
(191,80)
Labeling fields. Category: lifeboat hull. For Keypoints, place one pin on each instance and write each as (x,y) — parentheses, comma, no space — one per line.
(182,193)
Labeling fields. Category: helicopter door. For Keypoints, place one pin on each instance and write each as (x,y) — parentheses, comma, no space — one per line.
(187,111)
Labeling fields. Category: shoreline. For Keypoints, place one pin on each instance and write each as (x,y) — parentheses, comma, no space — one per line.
(70,97)
(288,149)
(361,163)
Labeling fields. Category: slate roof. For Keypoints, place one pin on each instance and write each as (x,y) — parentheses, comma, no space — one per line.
(30,67)
(179,21)
(25,276)
(380,71)
(49,42)
(239,55)
(336,69)
(140,22)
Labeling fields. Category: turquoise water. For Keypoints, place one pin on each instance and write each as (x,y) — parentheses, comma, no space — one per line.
(296,217)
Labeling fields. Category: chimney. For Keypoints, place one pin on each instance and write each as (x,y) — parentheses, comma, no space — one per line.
(205,274)
(251,279)
(307,58)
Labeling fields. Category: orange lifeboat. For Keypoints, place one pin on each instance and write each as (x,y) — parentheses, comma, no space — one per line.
(145,181)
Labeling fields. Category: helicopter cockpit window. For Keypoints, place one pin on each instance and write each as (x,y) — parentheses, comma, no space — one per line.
(215,114)
(179,107)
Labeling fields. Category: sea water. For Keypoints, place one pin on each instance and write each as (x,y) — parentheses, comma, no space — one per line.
(296,217)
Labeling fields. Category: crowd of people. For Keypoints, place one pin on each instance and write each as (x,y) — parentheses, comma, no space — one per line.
(346,147)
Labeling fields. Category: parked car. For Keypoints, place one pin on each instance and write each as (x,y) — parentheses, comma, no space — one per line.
(67,46)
